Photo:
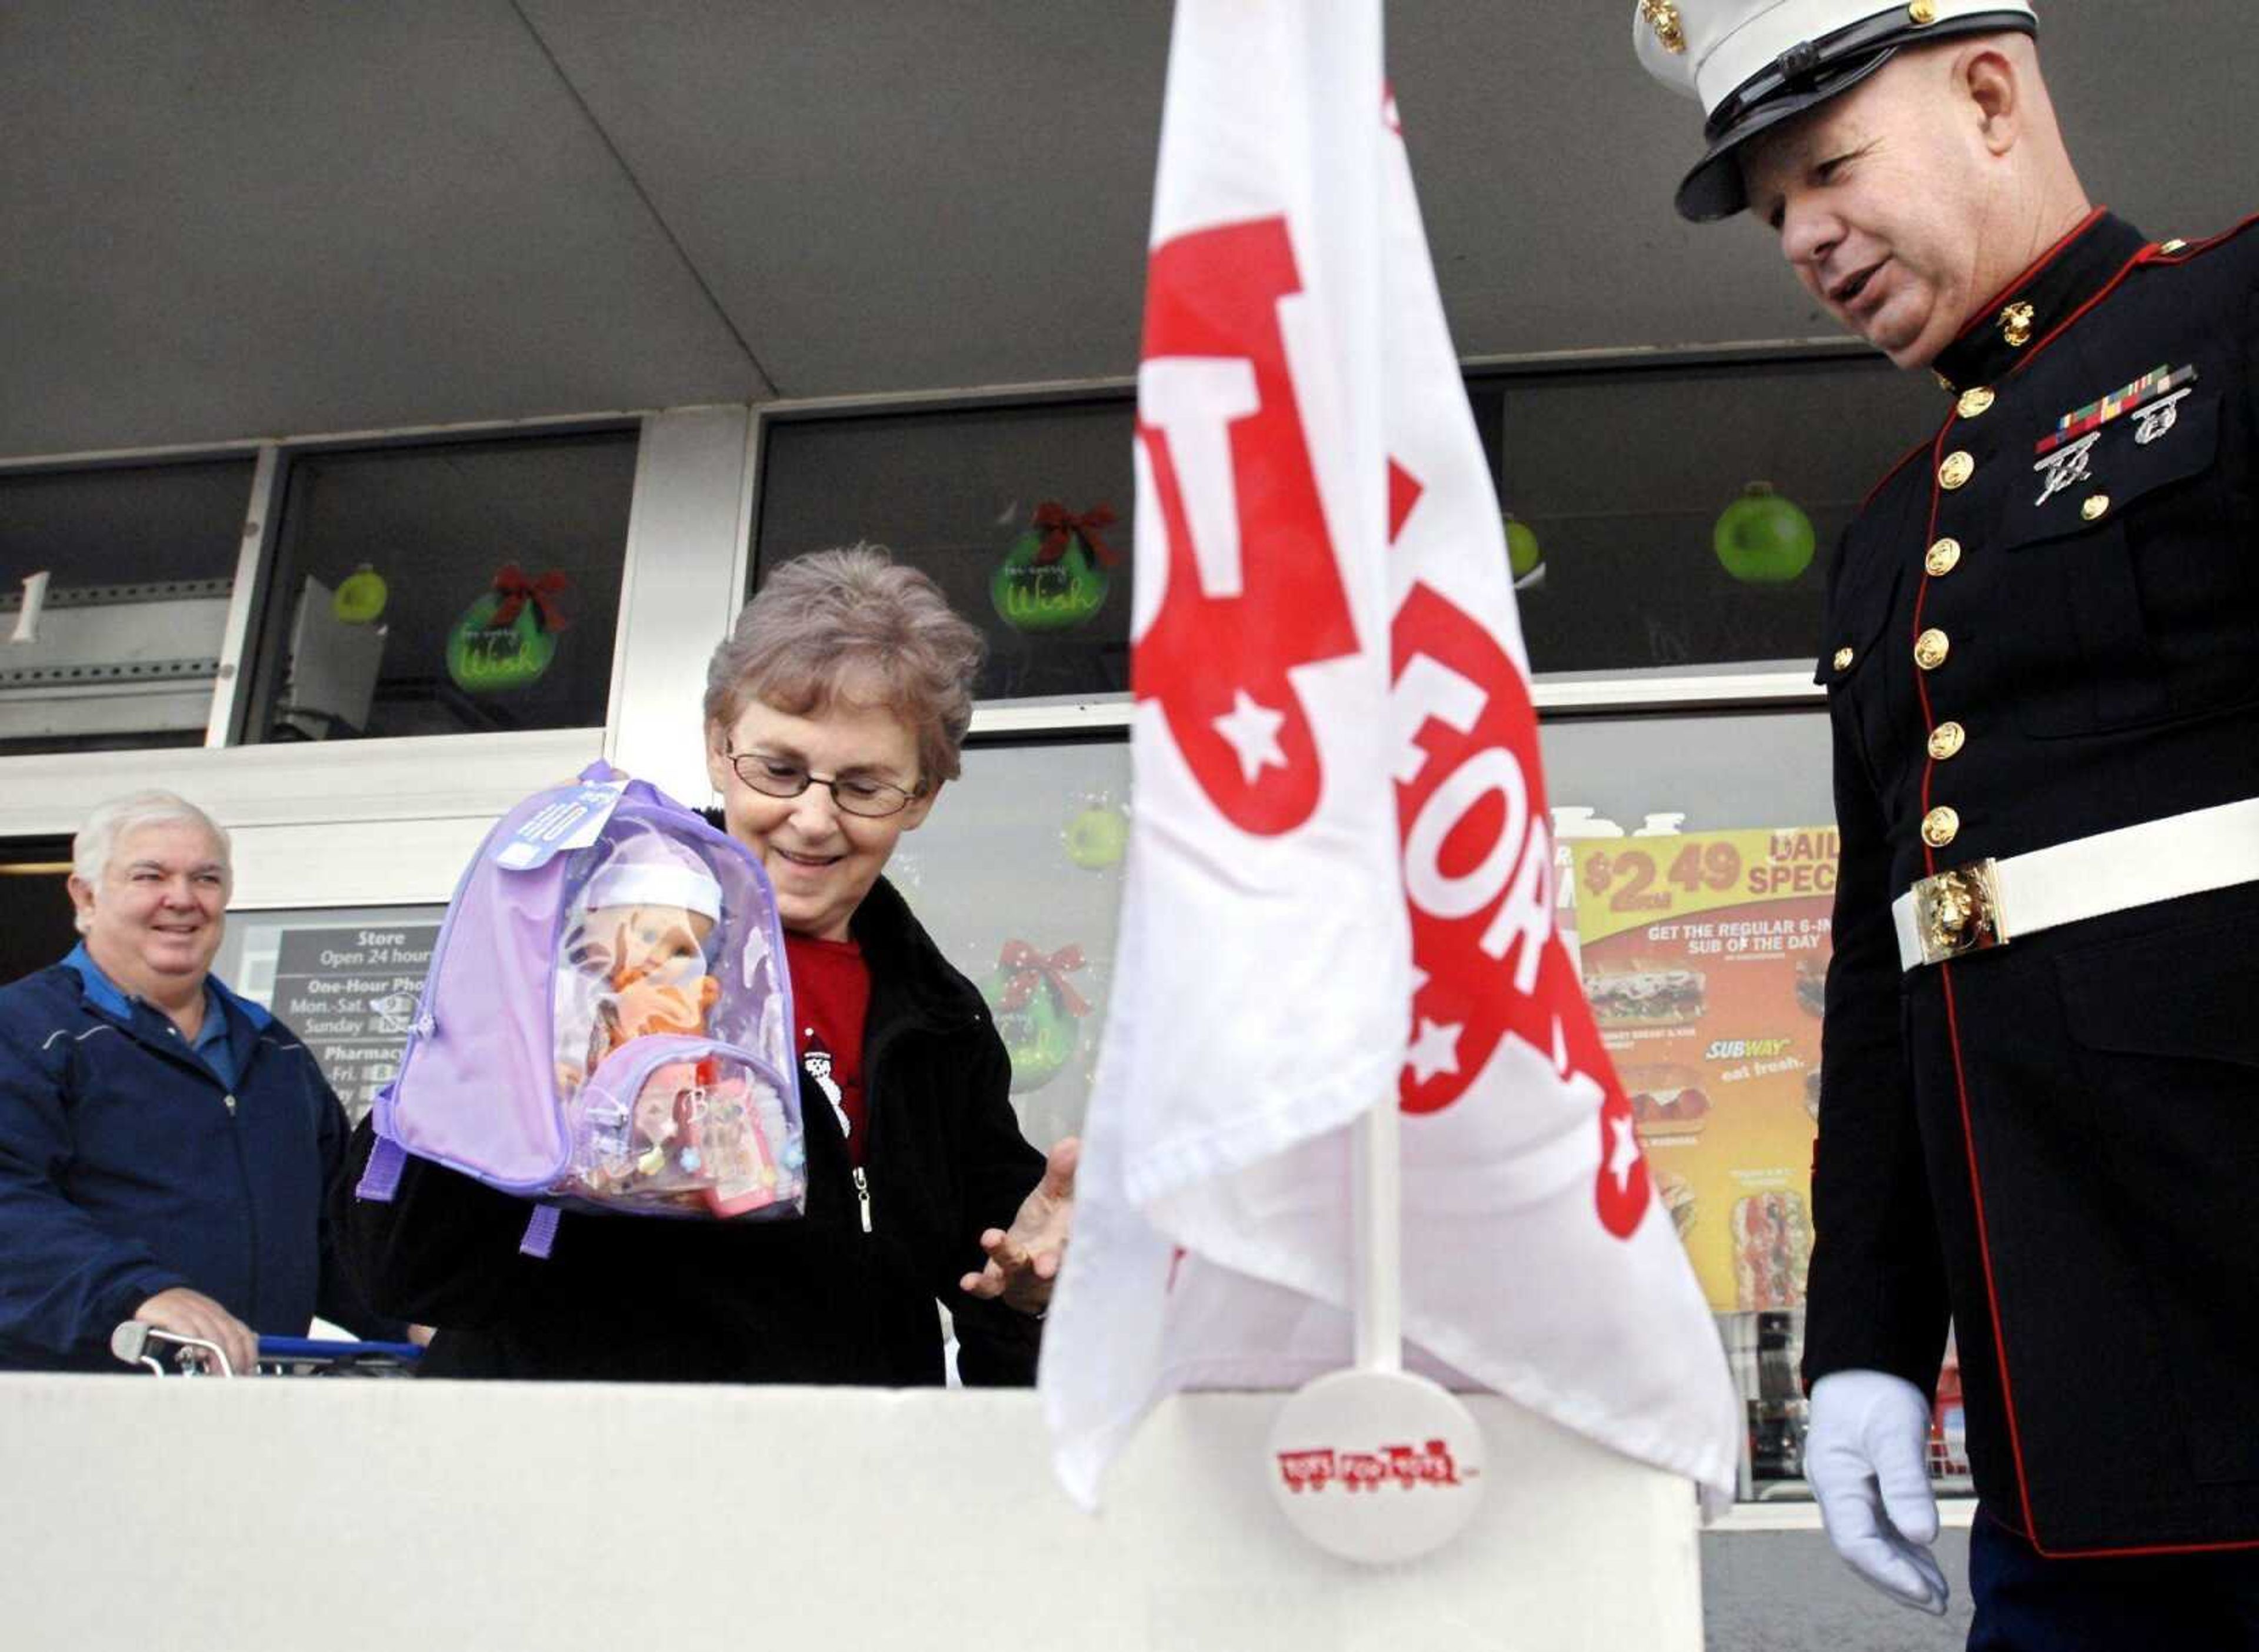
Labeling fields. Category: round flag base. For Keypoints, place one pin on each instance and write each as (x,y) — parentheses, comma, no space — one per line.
(1376,1466)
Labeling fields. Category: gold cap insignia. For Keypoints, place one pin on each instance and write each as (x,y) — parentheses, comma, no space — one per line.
(1662,18)
(2016,324)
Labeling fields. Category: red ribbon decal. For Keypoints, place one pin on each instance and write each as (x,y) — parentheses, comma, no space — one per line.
(1029,969)
(516,591)
(1060,526)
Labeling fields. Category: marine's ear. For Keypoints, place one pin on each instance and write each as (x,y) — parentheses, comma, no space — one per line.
(1990,79)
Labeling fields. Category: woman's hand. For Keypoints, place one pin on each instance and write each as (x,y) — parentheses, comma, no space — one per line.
(1025,1262)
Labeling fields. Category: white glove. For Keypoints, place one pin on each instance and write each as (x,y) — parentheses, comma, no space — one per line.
(1864,1458)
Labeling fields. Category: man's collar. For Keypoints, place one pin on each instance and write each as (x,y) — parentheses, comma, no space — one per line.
(99,987)
(2067,274)
(107,996)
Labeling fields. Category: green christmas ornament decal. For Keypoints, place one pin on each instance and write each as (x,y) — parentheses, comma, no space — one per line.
(1039,1014)
(508,637)
(360,597)
(1054,578)
(1097,837)
(1524,553)
(1762,538)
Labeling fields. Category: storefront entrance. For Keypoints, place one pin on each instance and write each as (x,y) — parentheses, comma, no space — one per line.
(35,910)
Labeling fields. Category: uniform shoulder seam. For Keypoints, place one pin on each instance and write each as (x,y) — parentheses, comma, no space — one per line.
(2188,250)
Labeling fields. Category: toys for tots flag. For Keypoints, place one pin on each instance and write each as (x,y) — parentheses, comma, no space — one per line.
(1339,813)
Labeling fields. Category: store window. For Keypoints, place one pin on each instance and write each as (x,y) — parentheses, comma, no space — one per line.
(1684,516)
(1696,852)
(1698,860)
(1017,875)
(1661,516)
(114,590)
(445,588)
(1020,514)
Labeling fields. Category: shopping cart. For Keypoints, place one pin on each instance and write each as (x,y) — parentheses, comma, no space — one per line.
(168,1354)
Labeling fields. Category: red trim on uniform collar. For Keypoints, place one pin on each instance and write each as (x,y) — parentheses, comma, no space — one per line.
(2060,281)
(1985,312)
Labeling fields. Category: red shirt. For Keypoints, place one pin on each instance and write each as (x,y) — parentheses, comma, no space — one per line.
(830,997)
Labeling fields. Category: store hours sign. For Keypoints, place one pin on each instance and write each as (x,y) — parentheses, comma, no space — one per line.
(350,992)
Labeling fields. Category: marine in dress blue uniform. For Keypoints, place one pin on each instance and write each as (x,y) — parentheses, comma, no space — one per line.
(2040,1111)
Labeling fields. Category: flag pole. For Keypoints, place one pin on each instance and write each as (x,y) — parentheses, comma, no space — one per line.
(1377,1201)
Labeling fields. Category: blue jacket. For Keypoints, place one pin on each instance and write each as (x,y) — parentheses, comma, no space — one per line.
(126,1167)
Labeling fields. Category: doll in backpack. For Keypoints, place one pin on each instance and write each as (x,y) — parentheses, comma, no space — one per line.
(635,946)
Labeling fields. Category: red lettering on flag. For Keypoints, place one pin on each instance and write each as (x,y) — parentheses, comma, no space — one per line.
(1478,878)
(1253,588)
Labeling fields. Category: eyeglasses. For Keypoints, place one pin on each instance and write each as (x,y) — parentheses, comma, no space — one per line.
(854,793)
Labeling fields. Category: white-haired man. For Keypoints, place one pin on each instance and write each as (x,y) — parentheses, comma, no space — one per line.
(2040,1112)
(165,1146)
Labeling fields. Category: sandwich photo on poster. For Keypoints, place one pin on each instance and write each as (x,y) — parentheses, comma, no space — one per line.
(1705,956)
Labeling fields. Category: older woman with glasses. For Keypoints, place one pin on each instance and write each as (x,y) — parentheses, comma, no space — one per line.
(834,714)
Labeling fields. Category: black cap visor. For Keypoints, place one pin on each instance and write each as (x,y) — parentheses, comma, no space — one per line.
(1803,78)
(1714,189)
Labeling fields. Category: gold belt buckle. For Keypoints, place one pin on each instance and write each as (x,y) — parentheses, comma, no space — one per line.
(1958,912)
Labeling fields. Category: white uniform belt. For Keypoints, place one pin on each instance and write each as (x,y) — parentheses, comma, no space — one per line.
(1991,902)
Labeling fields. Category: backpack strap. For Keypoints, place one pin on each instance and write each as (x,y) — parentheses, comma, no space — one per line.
(382,1179)
(540,1232)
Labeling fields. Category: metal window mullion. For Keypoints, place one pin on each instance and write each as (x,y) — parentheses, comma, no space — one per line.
(749,506)
(631,558)
(235,641)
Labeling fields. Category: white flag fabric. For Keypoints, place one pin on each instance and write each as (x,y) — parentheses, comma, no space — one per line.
(1339,811)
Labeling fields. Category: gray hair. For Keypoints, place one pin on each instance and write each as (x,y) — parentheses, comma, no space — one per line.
(852,624)
(97,840)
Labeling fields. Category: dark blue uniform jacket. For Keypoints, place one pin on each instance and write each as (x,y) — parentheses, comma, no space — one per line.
(127,1167)
(2055,1142)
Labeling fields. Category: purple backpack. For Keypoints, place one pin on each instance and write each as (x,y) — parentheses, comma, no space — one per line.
(607,1021)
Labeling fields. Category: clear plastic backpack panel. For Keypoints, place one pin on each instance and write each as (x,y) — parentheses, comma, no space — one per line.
(667,1129)
(672,1058)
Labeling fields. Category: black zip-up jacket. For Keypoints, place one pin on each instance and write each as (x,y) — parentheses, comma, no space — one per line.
(811,1300)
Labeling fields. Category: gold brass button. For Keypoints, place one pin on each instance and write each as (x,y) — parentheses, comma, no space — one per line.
(1944,558)
(1930,649)
(1956,470)
(1977,403)
(1843,658)
(2096,505)
(1946,741)
(1922,13)
(2016,324)
(1939,827)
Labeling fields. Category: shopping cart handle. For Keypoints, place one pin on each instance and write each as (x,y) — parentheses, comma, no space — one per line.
(282,1347)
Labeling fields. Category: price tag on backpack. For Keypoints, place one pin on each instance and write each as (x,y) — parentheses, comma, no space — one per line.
(573,820)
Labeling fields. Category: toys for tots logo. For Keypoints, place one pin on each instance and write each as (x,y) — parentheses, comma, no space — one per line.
(1403,1466)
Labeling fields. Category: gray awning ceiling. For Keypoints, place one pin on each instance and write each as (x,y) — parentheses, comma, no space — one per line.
(250,219)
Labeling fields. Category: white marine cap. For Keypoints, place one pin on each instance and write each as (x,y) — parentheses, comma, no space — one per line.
(650,870)
(1754,63)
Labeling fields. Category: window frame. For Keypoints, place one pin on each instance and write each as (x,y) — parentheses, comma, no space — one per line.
(230,725)
(414,804)
(1758,685)
(395,824)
